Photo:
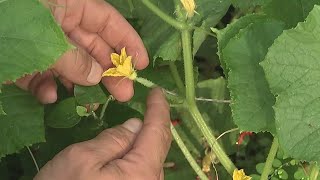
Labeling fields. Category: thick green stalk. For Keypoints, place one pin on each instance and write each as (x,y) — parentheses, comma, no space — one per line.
(272,154)
(192,107)
(176,77)
(314,172)
(187,154)
(168,19)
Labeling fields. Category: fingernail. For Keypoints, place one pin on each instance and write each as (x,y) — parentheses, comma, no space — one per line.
(94,76)
(134,125)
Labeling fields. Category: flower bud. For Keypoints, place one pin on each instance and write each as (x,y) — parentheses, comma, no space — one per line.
(189,6)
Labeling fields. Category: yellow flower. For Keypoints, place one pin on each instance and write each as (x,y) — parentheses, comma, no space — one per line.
(240,175)
(189,6)
(123,66)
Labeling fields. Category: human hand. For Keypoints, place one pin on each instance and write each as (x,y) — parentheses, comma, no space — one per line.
(98,30)
(130,151)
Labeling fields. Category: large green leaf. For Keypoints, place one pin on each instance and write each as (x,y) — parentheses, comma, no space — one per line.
(89,94)
(290,11)
(292,70)
(232,30)
(63,114)
(251,98)
(23,123)
(30,39)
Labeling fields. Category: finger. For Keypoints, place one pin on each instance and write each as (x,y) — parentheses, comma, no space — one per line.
(94,45)
(41,85)
(121,88)
(113,143)
(79,67)
(101,18)
(153,142)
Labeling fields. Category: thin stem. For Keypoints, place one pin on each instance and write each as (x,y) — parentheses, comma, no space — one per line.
(272,154)
(176,76)
(192,107)
(168,19)
(226,132)
(314,172)
(33,159)
(187,154)
(104,107)
(213,100)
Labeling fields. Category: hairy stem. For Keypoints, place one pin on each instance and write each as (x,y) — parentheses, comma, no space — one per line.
(176,77)
(168,19)
(192,107)
(272,154)
(314,172)
(187,154)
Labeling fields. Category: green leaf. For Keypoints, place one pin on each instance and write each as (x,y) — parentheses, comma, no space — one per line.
(291,68)
(247,4)
(290,11)
(251,98)
(63,114)
(231,31)
(1,109)
(82,111)
(23,123)
(210,11)
(30,39)
(85,95)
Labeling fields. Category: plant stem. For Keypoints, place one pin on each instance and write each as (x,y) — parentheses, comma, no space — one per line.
(272,154)
(188,65)
(176,76)
(168,19)
(192,107)
(187,154)
(104,107)
(314,172)
(33,159)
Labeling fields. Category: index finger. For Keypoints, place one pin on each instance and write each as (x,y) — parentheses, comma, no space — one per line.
(153,142)
(108,23)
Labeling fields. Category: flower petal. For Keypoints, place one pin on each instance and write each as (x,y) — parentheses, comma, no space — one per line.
(112,72)
(123,55)
(115,59)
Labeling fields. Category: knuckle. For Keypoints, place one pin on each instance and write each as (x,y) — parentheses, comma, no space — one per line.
(75,152)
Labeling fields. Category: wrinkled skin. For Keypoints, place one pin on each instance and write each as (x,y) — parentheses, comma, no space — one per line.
(133,150)
(97,30)
(130,151)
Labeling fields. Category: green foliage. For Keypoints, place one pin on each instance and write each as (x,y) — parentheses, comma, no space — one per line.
(253,112)
(85,95)
(270,76)
(63,114)
(30,39)
(23,123)
(291,70)
(290,11)
(1,109)
(231,31)
(247,4)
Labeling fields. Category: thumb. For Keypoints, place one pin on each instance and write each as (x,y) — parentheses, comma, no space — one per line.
(117,141)
(79,67)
